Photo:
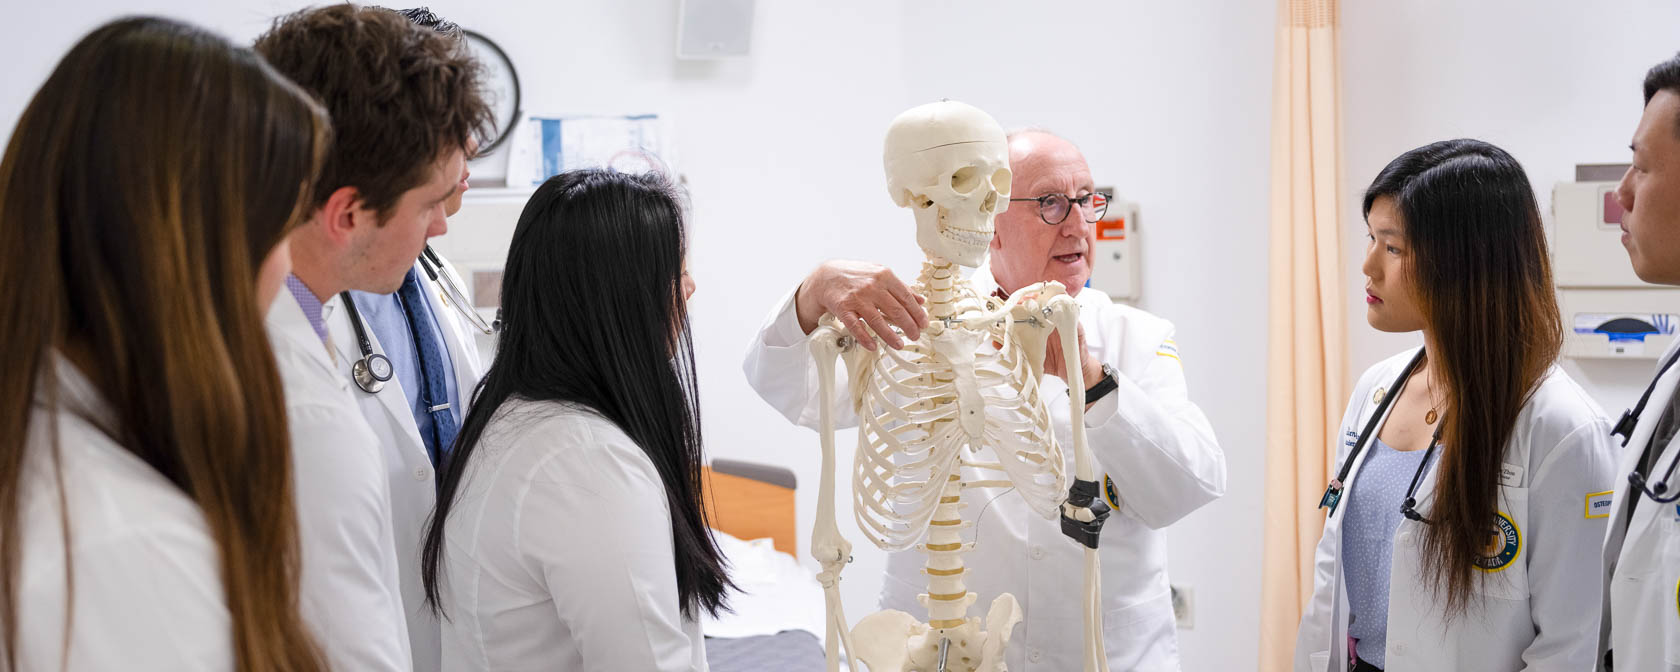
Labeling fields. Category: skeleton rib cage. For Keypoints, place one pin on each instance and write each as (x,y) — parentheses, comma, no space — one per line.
(911,442)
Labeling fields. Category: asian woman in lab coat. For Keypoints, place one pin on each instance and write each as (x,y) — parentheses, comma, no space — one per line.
(1461,533)
(569,532)
(146,517)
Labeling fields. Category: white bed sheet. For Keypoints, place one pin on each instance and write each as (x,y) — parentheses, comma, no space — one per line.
(776,593)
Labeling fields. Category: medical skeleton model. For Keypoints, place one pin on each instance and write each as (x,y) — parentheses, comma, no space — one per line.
(965,394)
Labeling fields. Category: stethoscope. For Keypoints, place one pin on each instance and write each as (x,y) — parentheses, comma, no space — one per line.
(373,370)
(1408,508)
(1624,428)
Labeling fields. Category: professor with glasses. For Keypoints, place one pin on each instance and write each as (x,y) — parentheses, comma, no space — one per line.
(1155,446)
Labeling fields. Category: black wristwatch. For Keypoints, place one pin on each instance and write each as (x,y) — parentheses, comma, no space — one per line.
(1103,387)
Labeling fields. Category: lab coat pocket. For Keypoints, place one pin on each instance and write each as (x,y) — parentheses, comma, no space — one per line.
(1503,565)
(1141,636)
(1319,662)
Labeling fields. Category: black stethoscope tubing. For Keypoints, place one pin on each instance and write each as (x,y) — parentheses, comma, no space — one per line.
(1624,428)
(373,370)
(1408,508)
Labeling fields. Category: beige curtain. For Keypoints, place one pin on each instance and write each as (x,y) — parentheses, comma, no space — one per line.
(1307,352)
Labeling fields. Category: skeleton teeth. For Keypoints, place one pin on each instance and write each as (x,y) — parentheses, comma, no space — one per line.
(966,237)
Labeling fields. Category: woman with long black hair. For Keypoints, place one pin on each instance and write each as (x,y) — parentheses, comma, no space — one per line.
(569,532)
(1465,516)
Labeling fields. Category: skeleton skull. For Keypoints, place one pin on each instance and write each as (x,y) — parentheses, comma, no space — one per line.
(950,162)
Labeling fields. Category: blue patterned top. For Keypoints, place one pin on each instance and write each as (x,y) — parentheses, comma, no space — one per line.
(1373,515)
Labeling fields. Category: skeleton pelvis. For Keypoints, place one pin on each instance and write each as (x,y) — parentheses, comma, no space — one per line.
(893,641)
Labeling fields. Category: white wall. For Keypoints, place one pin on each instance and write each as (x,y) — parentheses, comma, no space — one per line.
(1555,83)
(1170,102)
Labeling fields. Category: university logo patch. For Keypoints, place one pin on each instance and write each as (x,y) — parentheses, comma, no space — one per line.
(1504,544)
(1110,493)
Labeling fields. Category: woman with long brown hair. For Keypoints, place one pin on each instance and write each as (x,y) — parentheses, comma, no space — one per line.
(146,512)
(1462,530)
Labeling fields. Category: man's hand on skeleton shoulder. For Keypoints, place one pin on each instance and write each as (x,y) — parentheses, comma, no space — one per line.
(865,297)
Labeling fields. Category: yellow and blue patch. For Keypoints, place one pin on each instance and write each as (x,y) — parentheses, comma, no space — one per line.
(1168,348)
(1598,504)
(1110,493)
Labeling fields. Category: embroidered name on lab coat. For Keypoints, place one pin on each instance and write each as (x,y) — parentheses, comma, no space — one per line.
(1511,475)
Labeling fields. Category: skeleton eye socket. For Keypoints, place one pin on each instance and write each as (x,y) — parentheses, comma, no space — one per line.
(965,179)
(1000,180)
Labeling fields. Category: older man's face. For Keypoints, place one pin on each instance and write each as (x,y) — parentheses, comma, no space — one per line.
(1027,250)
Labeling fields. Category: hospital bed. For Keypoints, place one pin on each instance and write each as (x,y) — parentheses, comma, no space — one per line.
(777,620)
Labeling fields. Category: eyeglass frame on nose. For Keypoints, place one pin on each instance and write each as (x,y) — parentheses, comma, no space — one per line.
(1083,202)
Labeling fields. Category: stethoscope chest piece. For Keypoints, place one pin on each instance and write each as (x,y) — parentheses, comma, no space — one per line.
(371,372)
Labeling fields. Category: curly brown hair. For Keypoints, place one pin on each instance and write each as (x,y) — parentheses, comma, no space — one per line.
(401,96)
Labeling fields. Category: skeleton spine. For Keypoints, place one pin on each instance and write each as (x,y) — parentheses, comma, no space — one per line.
(947,595)
(938,281)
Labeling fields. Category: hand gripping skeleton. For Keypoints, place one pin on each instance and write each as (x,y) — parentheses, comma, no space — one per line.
(962,400)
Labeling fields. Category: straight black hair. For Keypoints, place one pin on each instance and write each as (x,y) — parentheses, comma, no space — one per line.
(1483,278)
(1664,76)
(593,314)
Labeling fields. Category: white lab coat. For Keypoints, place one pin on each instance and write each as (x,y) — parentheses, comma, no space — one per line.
(412,483)
(1147,435)
(1642,556)
(558,552)
(348,589)
(1535,613)
(148,590)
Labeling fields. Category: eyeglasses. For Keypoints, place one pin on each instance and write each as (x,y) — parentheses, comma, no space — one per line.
(1053,208)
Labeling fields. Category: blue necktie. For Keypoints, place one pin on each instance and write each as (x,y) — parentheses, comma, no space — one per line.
(434,385)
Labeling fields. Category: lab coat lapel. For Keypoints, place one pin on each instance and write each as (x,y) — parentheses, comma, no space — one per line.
(392,398)
(455,334)
(1648,512)
(1631,452)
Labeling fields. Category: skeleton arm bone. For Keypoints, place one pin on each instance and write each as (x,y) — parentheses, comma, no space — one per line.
(827,546)
(779,367)
(1064,314)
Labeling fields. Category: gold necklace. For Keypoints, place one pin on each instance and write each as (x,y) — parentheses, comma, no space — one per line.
(1430,417)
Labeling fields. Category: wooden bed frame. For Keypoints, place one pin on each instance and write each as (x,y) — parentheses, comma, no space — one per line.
(752,501)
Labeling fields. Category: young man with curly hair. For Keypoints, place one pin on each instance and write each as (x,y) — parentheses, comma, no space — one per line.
(406,107)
